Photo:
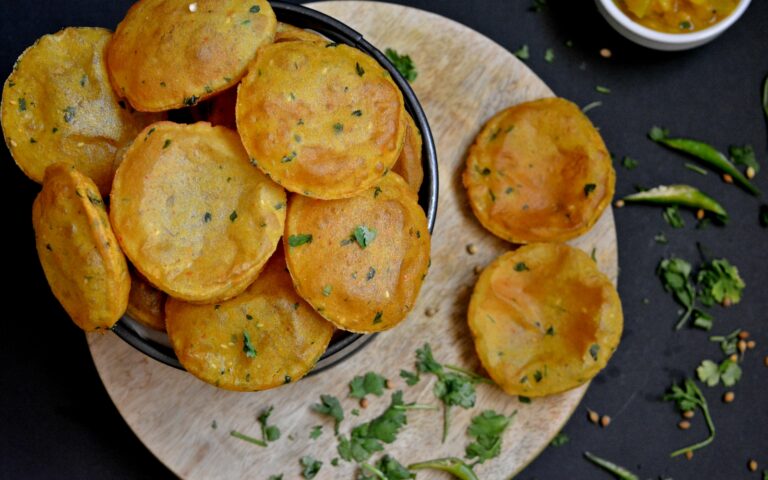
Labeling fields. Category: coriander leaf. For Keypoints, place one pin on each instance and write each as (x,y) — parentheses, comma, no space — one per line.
(250,352)
(672,217)
(454,389)
(487,429)
(522,53)
(702,320)
(687,398)
(366,439)
(730,372)
(658,133)
(560,440)
(720,282)
(276,477)
(371,383)
(675,275)
(410,378)
(330,406)
(744,156)
(317,430)
(728,342)
(425,362)
(300,239)
(629,163)
(269,433)
(709,373)
(403,64)
(364,235)
(549,55)
(310,466)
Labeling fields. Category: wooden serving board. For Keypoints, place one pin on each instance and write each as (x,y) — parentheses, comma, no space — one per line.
(464,78)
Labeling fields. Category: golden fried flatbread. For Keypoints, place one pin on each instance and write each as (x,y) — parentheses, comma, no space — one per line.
(80,256)
(58,107)
(288,33)
(326,122)
(173,53)
(146,304)
(192,214)
(408,165)
(263,338)
(539,172)
(544,319)
(359,262)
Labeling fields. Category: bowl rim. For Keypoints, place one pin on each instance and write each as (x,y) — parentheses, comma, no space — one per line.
(155,345)
(707,33)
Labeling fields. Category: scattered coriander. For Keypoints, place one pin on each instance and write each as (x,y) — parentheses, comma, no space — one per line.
(410,378)
(523,53)
(364,235)
(602,89)
(69,114)
(310,466)
(451,465)
(589,188)
(559,440)
(166,144)
(727,342)
(330,406)
(269,433)
(300,239)
(523,399)
(487,430)
(327,290)
(255,9)
(720,282)
(661,238)
(315,433)
(591,106)
(672,216)
(403,64)
(360,71)
(687,397)
(549,55)
(709,372)
(387,469)
(521,267)
(629,163)
(250,352)
(233,216)
(370,383)
(366,439)
(242,436)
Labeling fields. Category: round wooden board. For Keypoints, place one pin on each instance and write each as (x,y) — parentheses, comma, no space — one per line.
(464,78)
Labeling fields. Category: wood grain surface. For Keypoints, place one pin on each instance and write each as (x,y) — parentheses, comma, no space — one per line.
(464,78)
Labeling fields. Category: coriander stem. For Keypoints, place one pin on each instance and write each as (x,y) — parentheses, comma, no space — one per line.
(373,470)
(416,406)
(252,440)
(452,465)
(684,318)
(446,420)
(475,377)
(702,403)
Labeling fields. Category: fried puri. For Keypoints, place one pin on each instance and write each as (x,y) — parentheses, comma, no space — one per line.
(325,122)
(168,54)
(408,164)
(192,214)
(263,338)
(359,262)
(539,172)
(288,33)
(146,304)
(544,319)
(80,256)
(58,107)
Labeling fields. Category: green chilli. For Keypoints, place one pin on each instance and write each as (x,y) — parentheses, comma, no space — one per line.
(685,195)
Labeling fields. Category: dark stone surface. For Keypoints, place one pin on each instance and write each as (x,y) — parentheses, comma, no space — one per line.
(58,421)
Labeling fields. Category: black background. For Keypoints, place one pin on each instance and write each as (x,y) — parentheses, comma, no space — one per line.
(58,421)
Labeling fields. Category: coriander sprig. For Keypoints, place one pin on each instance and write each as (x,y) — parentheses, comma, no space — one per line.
(688,397)
(620,472)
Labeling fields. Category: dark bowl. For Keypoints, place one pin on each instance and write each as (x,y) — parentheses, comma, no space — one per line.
(343,344)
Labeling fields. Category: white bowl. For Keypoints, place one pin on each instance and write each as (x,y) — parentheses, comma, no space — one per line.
(665,41)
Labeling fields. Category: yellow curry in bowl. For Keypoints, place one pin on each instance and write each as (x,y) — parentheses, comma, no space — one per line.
(677,16)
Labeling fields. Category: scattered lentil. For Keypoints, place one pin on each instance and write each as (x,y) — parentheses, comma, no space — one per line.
(593,416)
(728,397)
(688,414)
(605,53)
(605,420)
(752,465)
(688,455)
(699,214)
(727,178)
(430,312)
(364,403)
(750,173)
(618,203)
(471,249)
(684,425)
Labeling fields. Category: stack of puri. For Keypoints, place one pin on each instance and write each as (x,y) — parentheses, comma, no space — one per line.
(287,212)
